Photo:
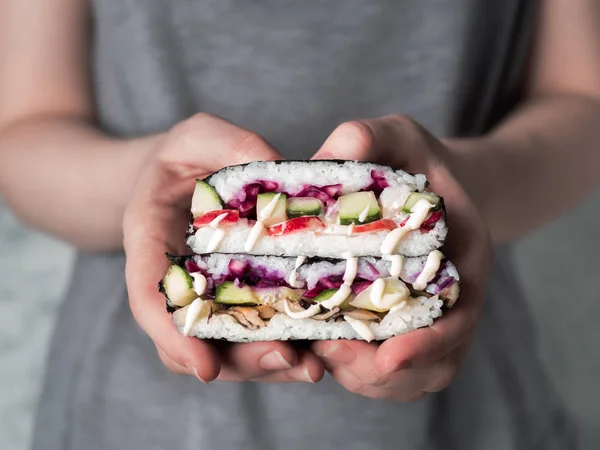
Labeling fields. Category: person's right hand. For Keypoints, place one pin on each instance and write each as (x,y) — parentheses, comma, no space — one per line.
(155,223)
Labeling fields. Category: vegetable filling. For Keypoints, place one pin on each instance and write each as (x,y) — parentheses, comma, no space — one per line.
(253,290)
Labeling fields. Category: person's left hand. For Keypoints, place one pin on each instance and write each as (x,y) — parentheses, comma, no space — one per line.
(407,367)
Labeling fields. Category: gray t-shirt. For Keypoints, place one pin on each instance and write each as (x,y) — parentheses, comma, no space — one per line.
(292,71)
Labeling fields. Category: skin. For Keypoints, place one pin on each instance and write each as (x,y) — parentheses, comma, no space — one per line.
(55,163)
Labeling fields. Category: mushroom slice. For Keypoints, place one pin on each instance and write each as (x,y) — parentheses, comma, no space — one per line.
(328,314)
(246,316)
(278,306)
(361,314)
(250,314)
(237,316)
(450,294)
(214,307)
(265,311)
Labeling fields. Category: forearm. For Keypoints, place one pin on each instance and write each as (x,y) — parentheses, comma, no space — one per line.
(66,178)
(535,165)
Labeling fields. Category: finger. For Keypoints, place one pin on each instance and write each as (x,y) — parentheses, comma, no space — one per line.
(309,369)
(356,356)
(242,362)
(149,310)
(355,384)
(424,346)
(443,372)
(177,368)
(358,374)
(202,145)
(391,140)
(172,365)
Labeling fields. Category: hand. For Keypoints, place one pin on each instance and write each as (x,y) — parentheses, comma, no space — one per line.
(406,367)
(155,223)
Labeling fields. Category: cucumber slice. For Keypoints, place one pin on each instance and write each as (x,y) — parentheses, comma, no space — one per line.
(304,206)
(229,294)
(413,198)
(275,213)
(325,295)
(357,206)
(328,293)
(178,286)
(205,199)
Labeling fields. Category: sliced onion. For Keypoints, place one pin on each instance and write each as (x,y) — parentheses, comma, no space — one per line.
(443,284)
(315,192)
(333,190)
(237,268)
(379,182)
(371,273)
(312,293)
(269,185)
(191,267)
(360,286)
(330,282)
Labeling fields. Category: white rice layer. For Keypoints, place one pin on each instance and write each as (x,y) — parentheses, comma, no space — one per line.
(293,175)
(417,314)
(309,243)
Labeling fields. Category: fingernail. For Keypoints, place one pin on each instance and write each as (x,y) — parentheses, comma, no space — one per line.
(195,373)
(302,375)
(323,155)
(340,353)
(402,365)
(307,376)
(274,361)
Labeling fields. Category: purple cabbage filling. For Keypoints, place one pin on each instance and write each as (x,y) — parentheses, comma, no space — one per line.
(442,284)
(245,202)
(379,182)
(241,272)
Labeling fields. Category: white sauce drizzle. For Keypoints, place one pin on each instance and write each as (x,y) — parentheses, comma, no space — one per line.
(416,219)
(432,265)
(215,222)
(304,314)
(351,270)
(259,227)
(377,291)
(418,214)
(267,211)
(390,242)
(397,262)
(350,229)
(255,233)
(299,261)
(215,240)
(338,298)
(199,283)
(198,309)
(361,328)
(363,215)
(218,235)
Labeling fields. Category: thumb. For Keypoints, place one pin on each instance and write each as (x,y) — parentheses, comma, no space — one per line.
(395,141)
(204,144)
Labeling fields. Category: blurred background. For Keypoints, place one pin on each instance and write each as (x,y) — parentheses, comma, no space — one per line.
(559,268)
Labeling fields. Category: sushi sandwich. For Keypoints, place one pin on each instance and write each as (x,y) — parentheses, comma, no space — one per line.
(311,250)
